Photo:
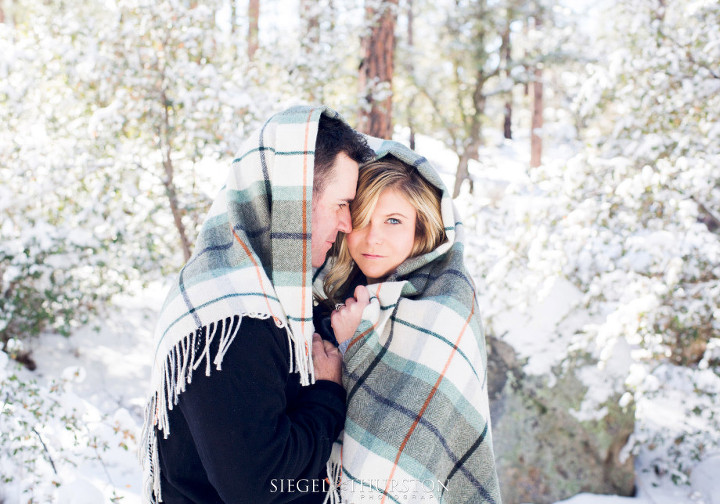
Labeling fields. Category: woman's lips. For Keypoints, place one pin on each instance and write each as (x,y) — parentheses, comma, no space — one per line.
(372,256)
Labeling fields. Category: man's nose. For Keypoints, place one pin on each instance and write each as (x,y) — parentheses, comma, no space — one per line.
(345,222)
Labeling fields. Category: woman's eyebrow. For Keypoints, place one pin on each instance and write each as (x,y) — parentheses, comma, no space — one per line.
(396,213)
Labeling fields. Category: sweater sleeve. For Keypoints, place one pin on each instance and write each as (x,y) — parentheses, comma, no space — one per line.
(247,435)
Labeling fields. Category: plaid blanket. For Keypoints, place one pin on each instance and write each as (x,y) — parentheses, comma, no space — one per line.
(418,422)
(249,261)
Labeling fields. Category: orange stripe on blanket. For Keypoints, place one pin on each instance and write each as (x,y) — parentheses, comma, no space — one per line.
(427,402)
(257,270)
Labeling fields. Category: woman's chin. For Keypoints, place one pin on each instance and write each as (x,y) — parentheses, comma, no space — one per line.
(375,275)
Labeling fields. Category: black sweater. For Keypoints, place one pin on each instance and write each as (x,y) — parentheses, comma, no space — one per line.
(251,433)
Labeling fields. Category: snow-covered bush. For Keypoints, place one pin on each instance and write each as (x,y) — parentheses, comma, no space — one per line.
(656,106)
(60,235)
(47,433)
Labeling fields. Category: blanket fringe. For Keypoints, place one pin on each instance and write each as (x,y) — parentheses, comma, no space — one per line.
(186,356)
(334,472)
(148,456)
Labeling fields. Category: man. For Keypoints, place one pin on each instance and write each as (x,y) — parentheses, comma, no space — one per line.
(234,416)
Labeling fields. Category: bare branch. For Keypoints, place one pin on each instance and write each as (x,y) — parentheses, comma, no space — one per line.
(45,448)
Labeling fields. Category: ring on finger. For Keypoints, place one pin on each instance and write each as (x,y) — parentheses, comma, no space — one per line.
(339,305)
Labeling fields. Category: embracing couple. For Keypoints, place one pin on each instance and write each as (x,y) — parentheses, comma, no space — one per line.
(323,343)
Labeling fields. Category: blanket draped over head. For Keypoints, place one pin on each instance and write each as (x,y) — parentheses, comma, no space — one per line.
(418,422)
(252,258)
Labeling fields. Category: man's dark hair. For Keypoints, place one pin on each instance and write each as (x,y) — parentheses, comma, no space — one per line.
(335,136)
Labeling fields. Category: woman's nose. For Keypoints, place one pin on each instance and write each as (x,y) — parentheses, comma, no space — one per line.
(373,234)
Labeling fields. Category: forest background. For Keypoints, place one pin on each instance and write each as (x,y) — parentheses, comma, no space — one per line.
(581,141)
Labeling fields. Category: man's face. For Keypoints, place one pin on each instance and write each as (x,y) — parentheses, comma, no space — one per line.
(331,207)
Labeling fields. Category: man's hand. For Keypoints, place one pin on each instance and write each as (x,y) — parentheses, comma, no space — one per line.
(327,360)
(346,319)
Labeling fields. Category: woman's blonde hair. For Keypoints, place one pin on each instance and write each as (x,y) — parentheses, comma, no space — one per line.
(375,177)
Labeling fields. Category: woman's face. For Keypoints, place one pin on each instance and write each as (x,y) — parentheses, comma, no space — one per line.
(387,240)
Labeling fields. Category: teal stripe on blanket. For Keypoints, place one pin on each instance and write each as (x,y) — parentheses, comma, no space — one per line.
(290,193)
(217,221)
(287,277)
(247,195)
(299,116)
(295,153)
(253,151)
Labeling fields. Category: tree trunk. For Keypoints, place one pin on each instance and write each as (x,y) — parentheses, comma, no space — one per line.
(332,14)
(526,34)
(469,152)
(537,114)
(376,70)
(168,182)
(309,43)
(309,14)
(506,54)
(411,69)
(462,174)
(233,17)
(472,146)
(6,12)
(253,19)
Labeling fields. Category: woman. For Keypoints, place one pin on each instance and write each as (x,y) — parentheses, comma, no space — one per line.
(417,427)
(396,215)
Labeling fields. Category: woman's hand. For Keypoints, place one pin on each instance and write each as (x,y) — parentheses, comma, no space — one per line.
(345,319)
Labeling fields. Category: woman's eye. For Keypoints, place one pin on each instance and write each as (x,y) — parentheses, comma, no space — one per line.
(393,220)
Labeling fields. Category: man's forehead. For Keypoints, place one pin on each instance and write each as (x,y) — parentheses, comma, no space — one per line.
(344,172)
